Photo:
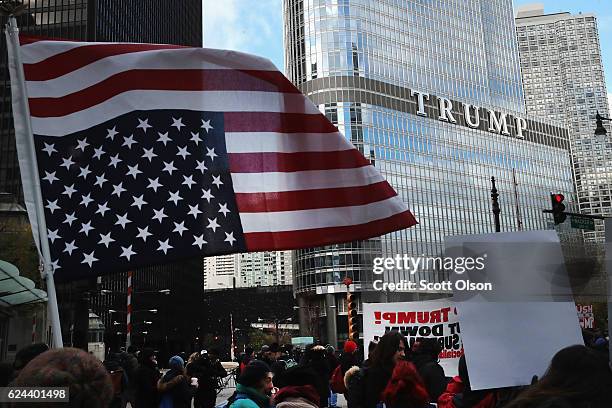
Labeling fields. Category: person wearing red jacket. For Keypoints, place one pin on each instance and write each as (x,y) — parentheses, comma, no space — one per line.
(458,393)
(405,389)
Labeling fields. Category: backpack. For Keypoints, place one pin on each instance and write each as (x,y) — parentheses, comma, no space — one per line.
(337,381)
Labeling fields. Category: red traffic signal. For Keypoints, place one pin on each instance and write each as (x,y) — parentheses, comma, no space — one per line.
(558,208)
(558,198)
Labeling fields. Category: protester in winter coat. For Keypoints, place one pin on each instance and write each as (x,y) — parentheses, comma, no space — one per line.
(365,386)
(371,347)
(405,389)
(245,358)
(118,378)
(253,387)
(175,386)
(577,377)
(304,396)
(296,389)
(425,353)
(129,363)
(391,349)
(354,383)
(88,382)
(315,359)
(349,356)
(332,364)
(147,376)
(207,369)
(459,394)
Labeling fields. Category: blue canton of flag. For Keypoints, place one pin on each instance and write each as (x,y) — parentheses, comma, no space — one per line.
(146,188)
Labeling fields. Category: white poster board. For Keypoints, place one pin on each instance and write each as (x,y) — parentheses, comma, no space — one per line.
(511,333)
(608,260)
(433,318)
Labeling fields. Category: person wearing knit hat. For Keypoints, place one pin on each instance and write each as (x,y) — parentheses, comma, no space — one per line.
(350,346)
(297,390)
(146,378)
(349,357)
(89,384)
(253,388)
(175,387)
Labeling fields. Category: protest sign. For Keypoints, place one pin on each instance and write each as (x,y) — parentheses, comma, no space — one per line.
(434,318)
(512,332)
(608,260)
(586,317)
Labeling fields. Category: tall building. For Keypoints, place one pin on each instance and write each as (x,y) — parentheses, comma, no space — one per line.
(271,268)
(149,21)
(431,93)
(564,81)
(220,272)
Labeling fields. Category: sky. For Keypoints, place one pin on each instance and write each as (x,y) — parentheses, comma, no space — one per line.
(256,26)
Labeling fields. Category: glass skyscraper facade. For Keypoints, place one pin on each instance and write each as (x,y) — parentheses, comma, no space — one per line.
(366,64)
(564,81)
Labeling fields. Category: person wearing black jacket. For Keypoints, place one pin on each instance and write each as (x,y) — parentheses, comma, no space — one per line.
(366,385)
(207,369)
(147,376)
(425,353)
(175,385)
(314,358)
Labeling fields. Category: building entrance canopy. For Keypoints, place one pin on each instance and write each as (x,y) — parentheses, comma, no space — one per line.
(17,290)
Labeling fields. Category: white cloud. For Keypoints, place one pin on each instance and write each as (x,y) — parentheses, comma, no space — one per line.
(220,24)
(242,25)
(610,103)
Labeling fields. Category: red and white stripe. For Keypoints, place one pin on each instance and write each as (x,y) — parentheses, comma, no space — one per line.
(298,181)
(128,331)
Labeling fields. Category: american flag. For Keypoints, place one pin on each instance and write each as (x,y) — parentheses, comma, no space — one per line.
(150,153)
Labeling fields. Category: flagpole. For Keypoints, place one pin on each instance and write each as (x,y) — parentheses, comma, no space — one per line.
(23,134)
(232,333)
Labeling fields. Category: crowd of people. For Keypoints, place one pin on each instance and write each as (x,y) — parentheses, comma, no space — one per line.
(132,376)
(394,374)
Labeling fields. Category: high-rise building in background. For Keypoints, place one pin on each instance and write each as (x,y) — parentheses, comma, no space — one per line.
(564,81)
(431,93)
(248,270)
(220,272)
(148,21)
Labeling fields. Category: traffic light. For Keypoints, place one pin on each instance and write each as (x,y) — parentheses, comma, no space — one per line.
(353,328)
(558,208)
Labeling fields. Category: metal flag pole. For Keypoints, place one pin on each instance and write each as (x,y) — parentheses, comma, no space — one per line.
(29,168)
(232,356)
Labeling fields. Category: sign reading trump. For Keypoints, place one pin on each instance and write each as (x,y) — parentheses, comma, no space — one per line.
(427,319)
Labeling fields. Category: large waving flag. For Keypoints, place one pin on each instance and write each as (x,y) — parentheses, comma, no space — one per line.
(149,153)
